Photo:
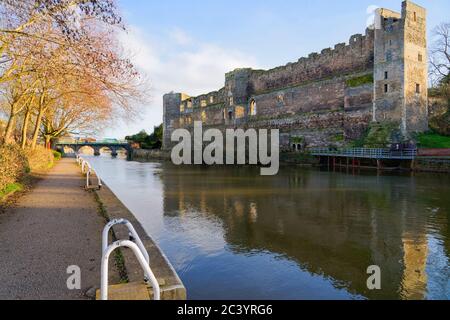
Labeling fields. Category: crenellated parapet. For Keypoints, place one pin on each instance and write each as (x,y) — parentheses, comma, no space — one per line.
(356,56)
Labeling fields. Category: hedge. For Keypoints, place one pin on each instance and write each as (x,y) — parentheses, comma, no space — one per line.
(13,165)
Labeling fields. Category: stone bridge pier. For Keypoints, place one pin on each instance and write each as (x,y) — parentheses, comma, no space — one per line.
(114,152)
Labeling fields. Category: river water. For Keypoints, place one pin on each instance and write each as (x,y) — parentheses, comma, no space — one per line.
(303,234)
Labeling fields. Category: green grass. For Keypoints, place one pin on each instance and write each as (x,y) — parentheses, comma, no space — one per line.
(433,140)
(10,189)
(359,81)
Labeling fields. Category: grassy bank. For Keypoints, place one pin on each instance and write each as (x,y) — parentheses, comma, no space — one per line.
(11,189)
(18,165)
(433,141)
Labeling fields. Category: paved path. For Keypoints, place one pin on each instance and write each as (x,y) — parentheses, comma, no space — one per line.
(54,226)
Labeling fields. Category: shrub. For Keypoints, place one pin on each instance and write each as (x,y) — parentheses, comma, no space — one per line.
(441,124)
(378,135)
(57,155)
(40,158)
(359,81)
(13,166)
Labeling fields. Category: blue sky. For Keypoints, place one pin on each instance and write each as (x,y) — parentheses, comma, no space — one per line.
(188,45)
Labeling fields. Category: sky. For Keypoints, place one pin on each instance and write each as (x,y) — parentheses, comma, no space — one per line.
(188,45)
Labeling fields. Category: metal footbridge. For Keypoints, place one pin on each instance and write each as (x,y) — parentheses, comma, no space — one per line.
(366,153)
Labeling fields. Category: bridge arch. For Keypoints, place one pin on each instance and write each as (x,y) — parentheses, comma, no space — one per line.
(86,149)
(96,148)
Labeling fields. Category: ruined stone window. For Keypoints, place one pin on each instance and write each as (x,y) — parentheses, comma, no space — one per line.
(386,75)
(417,88)
(420,57)
(280,100)
(253,108)
(415,16)
(203,103)
(231,101)
(189,104)
(204,117)
(182,108)
(386,88)
(211,99)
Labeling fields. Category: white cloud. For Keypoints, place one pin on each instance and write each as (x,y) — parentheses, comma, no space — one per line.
(180,37)
(176,63)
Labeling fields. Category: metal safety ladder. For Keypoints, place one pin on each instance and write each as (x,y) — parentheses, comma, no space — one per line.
(139,251)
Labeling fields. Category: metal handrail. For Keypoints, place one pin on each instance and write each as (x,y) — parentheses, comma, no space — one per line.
(131,229)
(85,164)
(138,253)
(366,153)
(88,178)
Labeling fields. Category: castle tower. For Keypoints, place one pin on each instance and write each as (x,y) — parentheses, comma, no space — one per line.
(237,92)
(172,112)
(400,68)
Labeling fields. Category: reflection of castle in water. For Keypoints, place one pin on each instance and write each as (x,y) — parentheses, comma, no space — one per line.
(331,224)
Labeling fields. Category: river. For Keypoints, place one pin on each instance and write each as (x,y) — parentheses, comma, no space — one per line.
(303,234)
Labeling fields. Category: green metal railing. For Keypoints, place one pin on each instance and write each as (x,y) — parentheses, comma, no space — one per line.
(379,154)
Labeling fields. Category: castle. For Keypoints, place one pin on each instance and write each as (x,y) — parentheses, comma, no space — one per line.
(327,98)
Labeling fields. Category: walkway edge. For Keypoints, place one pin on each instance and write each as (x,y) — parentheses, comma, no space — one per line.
(172,287)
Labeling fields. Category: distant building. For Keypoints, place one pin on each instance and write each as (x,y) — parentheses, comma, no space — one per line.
(88,140)
(66,140)
(329,97)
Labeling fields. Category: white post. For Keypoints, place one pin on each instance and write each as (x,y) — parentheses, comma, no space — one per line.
(88,173)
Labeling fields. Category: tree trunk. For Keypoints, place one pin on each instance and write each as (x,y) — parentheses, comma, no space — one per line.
(7,138)
(36,130)
(26,120)
(48,142)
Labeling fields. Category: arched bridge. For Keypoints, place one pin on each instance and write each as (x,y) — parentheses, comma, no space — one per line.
(97,146)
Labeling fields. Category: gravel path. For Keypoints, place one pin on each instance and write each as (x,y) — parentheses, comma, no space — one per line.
(53,227)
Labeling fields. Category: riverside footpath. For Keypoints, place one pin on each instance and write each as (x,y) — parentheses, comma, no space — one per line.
(55,225)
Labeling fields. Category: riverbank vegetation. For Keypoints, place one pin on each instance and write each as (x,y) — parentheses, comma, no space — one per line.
(16,166)
(440,77)
(433,140)
(148,141)
(63,71)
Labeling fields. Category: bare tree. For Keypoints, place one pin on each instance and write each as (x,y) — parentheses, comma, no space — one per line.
(62,67)
(440,53)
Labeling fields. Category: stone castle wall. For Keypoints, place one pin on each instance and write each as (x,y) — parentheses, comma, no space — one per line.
(325,99)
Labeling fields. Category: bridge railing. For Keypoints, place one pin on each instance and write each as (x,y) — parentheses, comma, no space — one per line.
(407,154)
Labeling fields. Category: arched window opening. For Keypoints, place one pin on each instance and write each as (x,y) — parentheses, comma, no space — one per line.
(253,109)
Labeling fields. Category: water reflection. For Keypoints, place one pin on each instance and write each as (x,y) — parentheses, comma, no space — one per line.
(300,235)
